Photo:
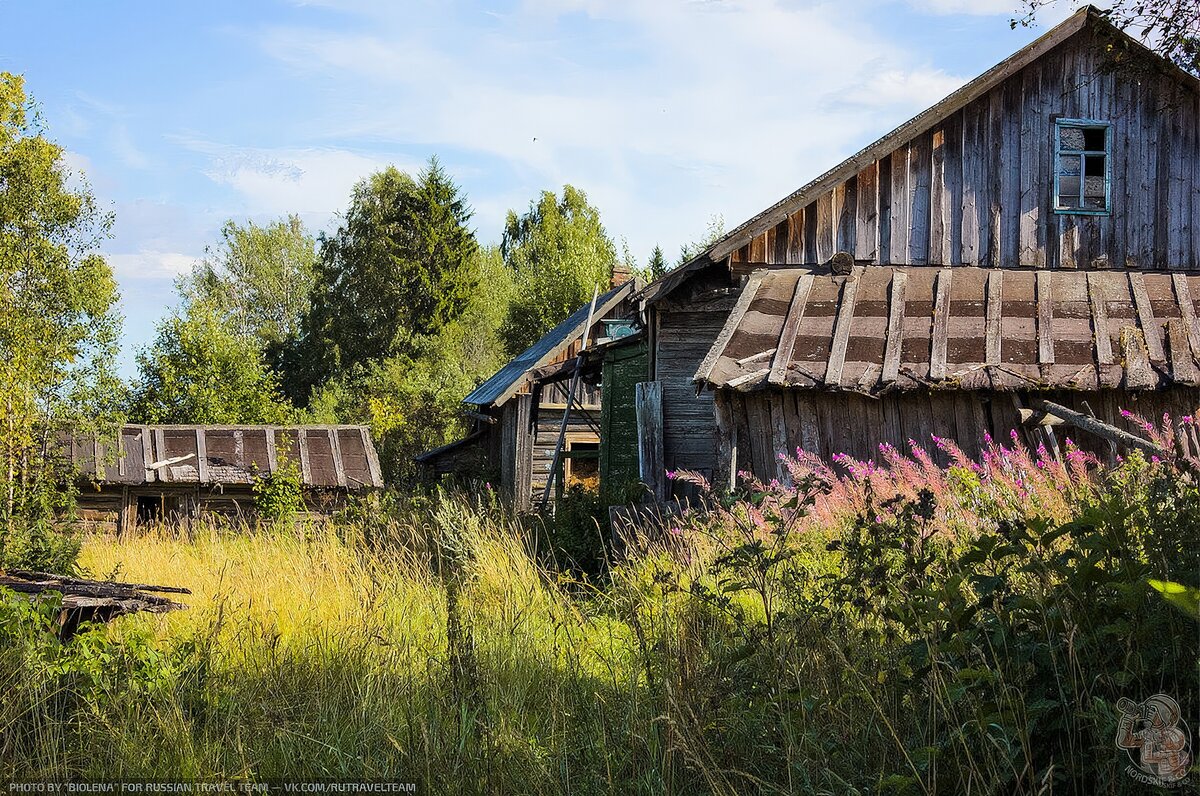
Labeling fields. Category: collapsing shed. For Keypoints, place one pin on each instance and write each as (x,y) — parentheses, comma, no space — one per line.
(177,473)
(517,420)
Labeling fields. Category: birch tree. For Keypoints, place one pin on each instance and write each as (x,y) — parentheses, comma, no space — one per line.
(58,319)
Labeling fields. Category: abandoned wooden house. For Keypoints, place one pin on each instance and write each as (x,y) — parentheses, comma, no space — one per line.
(517,421)
(1031,242)
(1029,237)
(174,474)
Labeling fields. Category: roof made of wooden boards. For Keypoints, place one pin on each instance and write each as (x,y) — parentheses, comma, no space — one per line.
(882,328)
(326,456)
(515,375)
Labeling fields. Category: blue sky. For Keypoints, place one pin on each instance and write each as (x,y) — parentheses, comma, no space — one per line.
(666,112)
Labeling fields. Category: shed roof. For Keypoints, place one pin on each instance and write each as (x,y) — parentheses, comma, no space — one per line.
(886,328)
(507,381)
(918,125)
(328,456)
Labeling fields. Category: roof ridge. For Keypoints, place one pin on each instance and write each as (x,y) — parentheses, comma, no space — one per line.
(922,122)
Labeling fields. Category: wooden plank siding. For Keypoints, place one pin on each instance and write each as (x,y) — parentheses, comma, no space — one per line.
(857,426)
(977,189)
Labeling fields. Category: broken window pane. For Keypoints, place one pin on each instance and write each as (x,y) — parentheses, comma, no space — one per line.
(1071,138)
(1081,176)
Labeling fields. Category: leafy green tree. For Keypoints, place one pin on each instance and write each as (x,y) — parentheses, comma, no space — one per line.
(402,265)
(260,277)
(559,253)
(58,327)
(200,369)
(412,401)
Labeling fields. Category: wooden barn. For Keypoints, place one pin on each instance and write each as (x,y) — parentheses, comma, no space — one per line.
(517,416)
(1033,237)
(178,473)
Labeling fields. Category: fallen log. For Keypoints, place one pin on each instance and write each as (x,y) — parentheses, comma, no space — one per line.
(91,600)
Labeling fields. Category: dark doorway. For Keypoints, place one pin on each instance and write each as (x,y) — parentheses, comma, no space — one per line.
(149,509)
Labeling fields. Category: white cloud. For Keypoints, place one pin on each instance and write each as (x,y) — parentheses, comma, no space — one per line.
(148,264)
(732,104)
(312,181)
(975,7)
(883,88)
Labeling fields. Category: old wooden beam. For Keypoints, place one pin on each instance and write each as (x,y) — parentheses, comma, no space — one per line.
(480,416)
(995,315)
(731,325)
(1098,427)
(1099,305)
(1138,373)
(1045,317)
(895,328)
(1187,310)
(1183,367)
(941,325)
(160,452)
(335,448)
(372,457)
(841,329)
(1151,332)
(147,452)
(272,454)
(201,457)
(305,466)
(746,378)
(791,326)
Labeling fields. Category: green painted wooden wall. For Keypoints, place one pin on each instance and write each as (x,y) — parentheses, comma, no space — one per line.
(624,367)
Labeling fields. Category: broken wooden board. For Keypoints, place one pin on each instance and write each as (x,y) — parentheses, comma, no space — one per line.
(91,600)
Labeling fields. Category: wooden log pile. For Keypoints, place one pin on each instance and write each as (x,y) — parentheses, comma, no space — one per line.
(91,600)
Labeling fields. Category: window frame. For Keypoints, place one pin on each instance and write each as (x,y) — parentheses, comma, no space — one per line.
(1081,154)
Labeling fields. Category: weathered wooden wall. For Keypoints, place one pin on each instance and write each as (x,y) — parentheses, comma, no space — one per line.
(549,421)
(757,426)
(977,189)
(113,508)
(684,328)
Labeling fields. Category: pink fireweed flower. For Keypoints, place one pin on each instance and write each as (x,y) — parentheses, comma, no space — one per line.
(671,475)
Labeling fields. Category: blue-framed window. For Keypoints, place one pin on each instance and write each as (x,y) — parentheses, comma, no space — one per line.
(1082,166)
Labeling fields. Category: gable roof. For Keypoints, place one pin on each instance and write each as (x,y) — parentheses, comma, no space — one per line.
(507,381)
(885,328)
(919,124)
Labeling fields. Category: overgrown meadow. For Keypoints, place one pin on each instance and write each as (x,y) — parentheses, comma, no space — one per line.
(899,627)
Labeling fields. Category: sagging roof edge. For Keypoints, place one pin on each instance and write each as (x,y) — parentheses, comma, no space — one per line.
(721,250)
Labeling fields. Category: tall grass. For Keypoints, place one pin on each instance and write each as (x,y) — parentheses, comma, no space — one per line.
(901,629)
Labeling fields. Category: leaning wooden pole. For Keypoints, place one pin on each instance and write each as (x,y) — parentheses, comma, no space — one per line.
(566,418)
(1099,428)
